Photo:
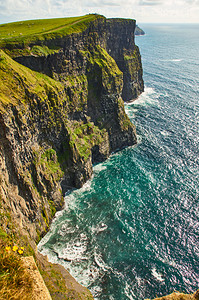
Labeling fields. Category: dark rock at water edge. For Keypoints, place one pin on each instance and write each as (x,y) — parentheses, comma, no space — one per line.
(139,31)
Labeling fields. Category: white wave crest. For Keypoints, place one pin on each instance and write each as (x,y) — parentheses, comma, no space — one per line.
(96,292)
(99,167)
(148,97)
(100,262)
(157,275)
(71,199)
(176,59)
(73,251)
(85,187)
(165,133)
(169,262)
(173,60)
(128,292)
(45,239)
(99,228)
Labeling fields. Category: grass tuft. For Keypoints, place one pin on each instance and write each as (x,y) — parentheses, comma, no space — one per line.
(15,281)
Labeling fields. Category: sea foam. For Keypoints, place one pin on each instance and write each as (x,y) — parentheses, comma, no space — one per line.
(148,97)
(157,275)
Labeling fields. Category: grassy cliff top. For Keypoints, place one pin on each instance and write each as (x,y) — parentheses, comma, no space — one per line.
(16,80)
(25,32)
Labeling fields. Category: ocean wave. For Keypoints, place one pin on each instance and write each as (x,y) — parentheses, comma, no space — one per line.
(100,262)
(128,292)
(173,60)
(171,262)
(157,275)
(73,251)
(148,97)
(72,198)
(99,228)
(165,132)
(99,167)
(96,292)
(46,238)
(50,255)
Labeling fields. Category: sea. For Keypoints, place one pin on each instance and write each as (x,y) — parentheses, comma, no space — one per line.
(132,231)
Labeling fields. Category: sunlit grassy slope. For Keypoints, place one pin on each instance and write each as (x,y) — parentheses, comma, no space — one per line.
(28,31)
(16,80)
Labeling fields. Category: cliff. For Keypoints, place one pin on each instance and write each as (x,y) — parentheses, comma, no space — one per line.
(63,82)
(63,112)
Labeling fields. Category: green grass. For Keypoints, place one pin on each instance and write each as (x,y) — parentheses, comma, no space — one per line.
(131,55)
(52,166)
(131,59)
(25,32)
(15,281)
(43,50)
(16,80)
(103,60)
(84,137)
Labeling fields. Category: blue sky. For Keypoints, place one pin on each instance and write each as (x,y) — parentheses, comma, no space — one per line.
(144,11)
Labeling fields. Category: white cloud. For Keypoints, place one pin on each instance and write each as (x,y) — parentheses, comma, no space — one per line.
(142,10)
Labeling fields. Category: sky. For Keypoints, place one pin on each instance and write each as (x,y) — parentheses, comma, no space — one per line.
(144,11)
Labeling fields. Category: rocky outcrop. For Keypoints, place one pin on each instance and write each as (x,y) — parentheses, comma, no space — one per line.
(60,283)
(179,296)
(139,31)
(40,291)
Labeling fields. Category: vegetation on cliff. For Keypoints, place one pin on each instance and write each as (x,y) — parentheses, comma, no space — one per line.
(17,82)
(15,281)
(25,33)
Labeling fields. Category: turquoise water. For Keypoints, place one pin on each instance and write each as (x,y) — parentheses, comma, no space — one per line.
(132,231)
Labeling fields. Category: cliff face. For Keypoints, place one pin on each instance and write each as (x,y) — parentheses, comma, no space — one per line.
(116,36)
(57,121)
